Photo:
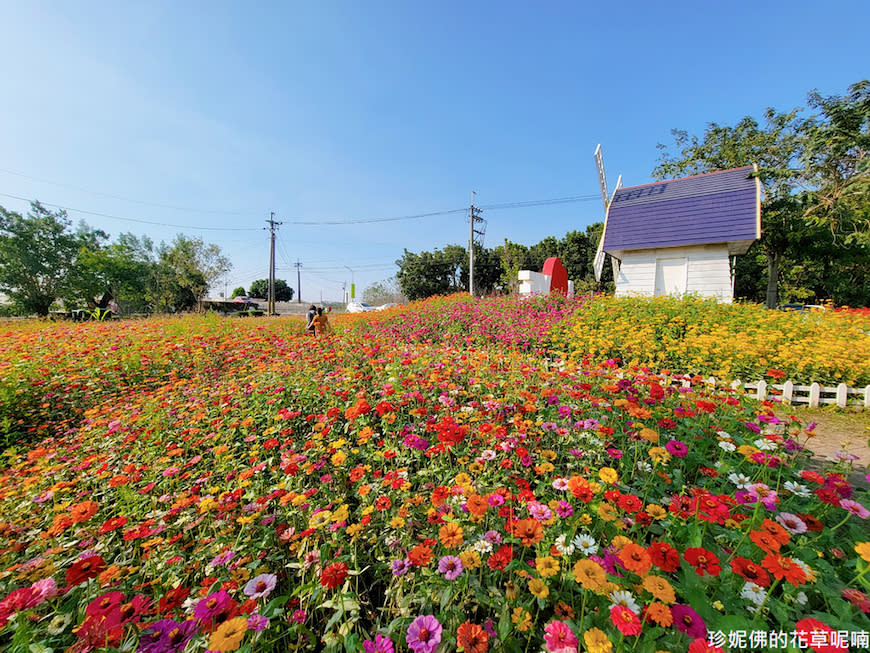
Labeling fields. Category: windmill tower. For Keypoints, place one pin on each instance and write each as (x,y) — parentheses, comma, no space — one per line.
(606,199)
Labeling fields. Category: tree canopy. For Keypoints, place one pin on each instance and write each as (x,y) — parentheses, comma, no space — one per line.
(283,292)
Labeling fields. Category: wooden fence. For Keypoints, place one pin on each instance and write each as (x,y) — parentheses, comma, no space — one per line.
(813,395)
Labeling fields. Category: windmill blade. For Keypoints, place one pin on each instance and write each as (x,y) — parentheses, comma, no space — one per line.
(602,176)
(598,263)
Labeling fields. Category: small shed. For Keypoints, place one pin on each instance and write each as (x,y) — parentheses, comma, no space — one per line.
(681,235)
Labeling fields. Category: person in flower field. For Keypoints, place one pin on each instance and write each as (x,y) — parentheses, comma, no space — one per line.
(321,323)
(309,319)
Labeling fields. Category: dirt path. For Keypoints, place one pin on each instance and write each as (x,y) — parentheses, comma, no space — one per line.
(838,430)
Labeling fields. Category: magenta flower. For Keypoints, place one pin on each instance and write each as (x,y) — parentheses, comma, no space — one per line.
(381,644)
(559,637)
(451,567)
(223,558)
(211,605)
(688,621)
(258,622)
(677,448)
(167,636)
(424,634)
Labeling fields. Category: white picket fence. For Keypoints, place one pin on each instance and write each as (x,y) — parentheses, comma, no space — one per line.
(813,395)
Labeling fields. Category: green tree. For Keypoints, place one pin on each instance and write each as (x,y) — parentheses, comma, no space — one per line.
(283,292)
(431,273)
(39,257)
(238,292)
(383,292)
(837,162)
(513,259)
(183,273)
(776,148)
(124,268)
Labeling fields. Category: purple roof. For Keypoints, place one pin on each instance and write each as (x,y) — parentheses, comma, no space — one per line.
(718,207)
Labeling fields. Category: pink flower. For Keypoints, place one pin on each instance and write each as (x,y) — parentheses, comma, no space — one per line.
(559,637)
(855,508)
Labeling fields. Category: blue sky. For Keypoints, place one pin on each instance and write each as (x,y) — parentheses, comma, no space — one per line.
(213,114)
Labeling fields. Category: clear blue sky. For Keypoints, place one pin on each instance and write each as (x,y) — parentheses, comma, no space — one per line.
(221,112)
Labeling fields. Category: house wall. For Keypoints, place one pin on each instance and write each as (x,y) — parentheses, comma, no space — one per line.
(707,271)
(533,283)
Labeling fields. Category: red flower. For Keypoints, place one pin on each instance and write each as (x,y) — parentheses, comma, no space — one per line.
(173,599)
(701,645)
(625,620)
(84,569)
(750,571)
(333,575)
(471,638)
(112,524)
(664,556)
(704,561)
(833,642)
(420,555)
(783,567)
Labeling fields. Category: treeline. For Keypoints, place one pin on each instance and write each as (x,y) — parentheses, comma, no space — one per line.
(445,270)
(46,264)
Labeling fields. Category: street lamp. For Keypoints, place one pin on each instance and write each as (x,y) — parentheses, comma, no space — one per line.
(352,287)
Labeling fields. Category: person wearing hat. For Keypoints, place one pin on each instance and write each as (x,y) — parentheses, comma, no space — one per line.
(312,313)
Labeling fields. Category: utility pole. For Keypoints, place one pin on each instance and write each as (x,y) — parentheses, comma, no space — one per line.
(473,218)
(271,299)
(298,265)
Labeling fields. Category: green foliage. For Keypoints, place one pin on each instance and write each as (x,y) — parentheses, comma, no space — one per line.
(183,272)
(383,292)
(238,292)
(39,257)
(814,242)
(283,292)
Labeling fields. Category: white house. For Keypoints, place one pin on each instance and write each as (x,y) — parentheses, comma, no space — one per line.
(681,235)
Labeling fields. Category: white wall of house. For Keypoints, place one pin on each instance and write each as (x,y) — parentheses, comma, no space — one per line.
(699,269)
(533,283)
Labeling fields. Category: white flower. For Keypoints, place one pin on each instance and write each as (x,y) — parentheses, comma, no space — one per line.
(488,454)
(797,489)
(563,548)
(482,547)
(727,446)
(643,466)
(740,480)
(801,598)
(586,543)
(723,434)
(560,484)
(622,597)
(59,623)
(754,593)
(765,445)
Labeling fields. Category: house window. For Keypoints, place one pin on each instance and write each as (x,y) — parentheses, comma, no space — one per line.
(671,276)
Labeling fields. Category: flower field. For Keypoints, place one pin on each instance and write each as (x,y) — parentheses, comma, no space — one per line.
(432,478)
(728,341)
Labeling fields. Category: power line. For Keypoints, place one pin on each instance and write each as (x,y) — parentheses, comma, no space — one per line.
(118,217)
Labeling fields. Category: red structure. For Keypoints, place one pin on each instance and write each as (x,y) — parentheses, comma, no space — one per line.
(558,275)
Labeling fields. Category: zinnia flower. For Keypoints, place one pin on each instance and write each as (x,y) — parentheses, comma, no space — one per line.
(596,641)
(424,634)
(229,635)
(471,638)
(559,637)
(625,620)
(333,575)
(688,621)
(261,586)
(381,644)
(451,567)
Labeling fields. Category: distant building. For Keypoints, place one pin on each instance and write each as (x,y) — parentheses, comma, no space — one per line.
(681,235)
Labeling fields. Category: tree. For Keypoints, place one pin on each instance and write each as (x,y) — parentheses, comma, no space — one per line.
(123,268)
(513,259)
(183,273)
(383,292)
(776,149)
(431,273)
(238,292)
(837,161)
(39,256)
(283,292)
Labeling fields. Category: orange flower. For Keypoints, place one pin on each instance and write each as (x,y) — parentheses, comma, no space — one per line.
(450,535)
(529,531)
(776,530)
(83,511)
(765,540)
(635,558)
(783,567)
(660,588)
(471,638)
(477,505)
(420,555)
(659,613)
(589,574)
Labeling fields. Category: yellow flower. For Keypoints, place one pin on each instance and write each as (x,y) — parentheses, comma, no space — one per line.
(620,541)
(596,641)
(539,588)
(863,550)
(338,458)
(397,522)
(589,574)
(585,519)
(319,520)
(659,455)
(608,475)
(607,512)
(660,588)
(522,619)
(547,566)
(229,636)
(470,559)
(354,529)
